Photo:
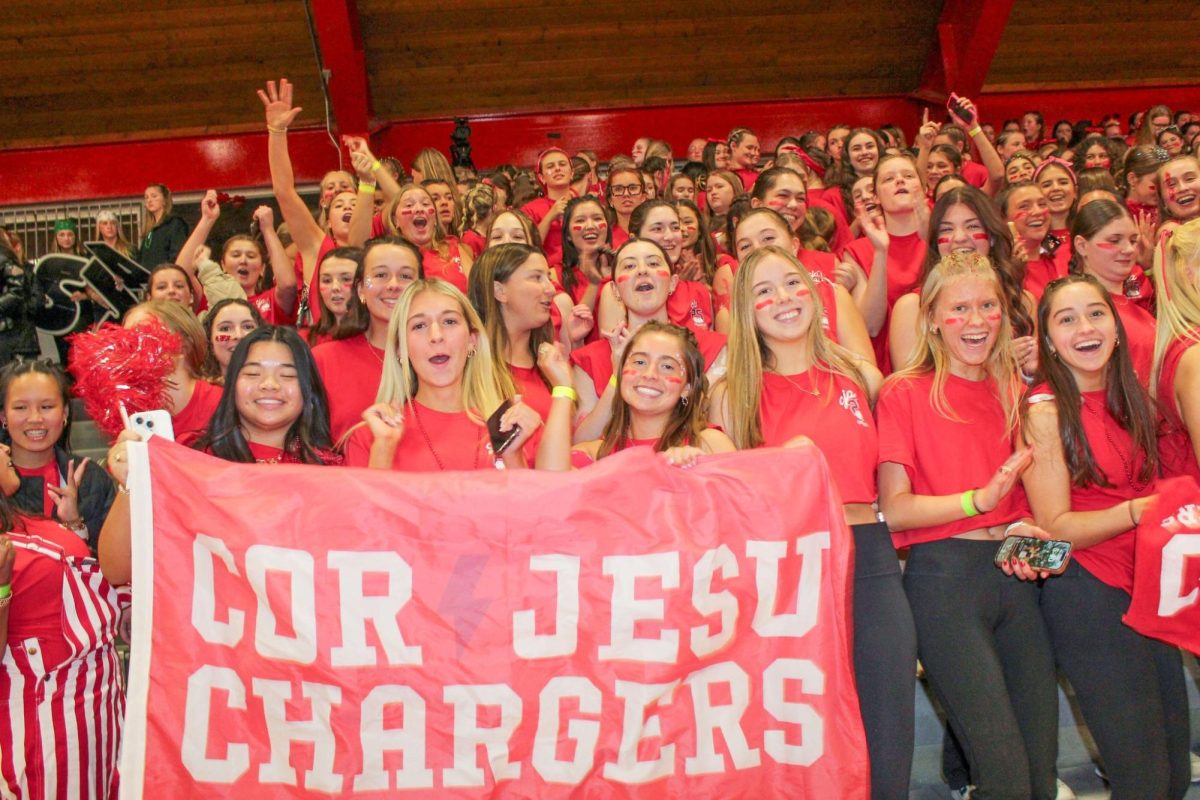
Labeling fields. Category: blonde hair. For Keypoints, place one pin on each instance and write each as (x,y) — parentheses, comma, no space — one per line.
(482,386)
(930,353)
(182,321)
(749,354)
(1177,292)
(389,219)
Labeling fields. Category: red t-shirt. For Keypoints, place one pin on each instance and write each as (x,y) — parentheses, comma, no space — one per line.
(192,420)
(596,358)
(1175,446)
(619,237)
(1040,271)
(837,418)
(691,306)
(474,240)
(449,269)
(50,476)
(947,456)
(748,176)
(974,173)
(1111,561)
(1140,330)
(905,255)
(536,395)
(314,286)
(432,441)
(351,370)
(268,306)
(552,246)
(37,587)
(830,198)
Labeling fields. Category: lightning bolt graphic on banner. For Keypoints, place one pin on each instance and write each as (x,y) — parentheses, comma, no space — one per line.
(459,602)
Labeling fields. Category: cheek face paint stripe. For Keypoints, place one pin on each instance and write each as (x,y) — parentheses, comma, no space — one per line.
(672,379)
(943,240)
(577,227)
(993,317)
(801,293)
(629,372)
(981,237)
(953,321)
(663,273)
(761,304)
(603,226)
(1105,245)
(623,278)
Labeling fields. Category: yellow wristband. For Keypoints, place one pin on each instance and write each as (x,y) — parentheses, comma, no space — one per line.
(564,391)
(366,188)
(967,500)
(613,380)
(375,165)
(271,129)
(975,131)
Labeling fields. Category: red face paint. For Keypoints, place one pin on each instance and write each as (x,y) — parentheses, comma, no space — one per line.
(761,304)
(955,321)
(407,212)
(629,372)
(663,273)
(673,379)
(1171,192)
(993,317)
(801,293)
(577,228)
(623,277)
(602,226)
(222,337)
(1019,215)
(980,237)
(943,240)
(1105,245)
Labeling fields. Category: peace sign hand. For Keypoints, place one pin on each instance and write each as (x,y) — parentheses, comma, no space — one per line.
(66,498)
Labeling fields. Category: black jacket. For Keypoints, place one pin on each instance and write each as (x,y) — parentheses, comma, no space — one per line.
(162,244)
(96,494)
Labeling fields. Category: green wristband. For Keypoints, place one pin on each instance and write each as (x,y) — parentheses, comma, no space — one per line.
(967,499)
(5,591)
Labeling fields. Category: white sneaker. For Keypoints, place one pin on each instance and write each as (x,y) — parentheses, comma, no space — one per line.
(1064,792)
(1195,768)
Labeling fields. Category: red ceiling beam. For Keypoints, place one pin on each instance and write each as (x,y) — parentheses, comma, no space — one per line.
(966,39)
(341,45)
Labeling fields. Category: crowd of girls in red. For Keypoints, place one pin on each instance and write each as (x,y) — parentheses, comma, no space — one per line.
(991,332)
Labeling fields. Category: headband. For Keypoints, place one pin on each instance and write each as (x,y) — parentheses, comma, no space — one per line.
(65,225)
(811,163)
(1055,161)
(537,172)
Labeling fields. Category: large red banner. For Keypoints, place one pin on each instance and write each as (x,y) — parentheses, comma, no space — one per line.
(629,630)
(1166,573)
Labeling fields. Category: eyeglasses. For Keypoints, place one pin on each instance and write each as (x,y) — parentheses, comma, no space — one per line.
(632,189)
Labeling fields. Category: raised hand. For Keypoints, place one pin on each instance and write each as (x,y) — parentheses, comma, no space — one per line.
(66,498)
(363,163)
(554,365)
(265,217)
(876,230)
(1002,481)
(580,323)
(617,338)
(927,132)
(385,421)
(277,103)
(210,209)
(970,107)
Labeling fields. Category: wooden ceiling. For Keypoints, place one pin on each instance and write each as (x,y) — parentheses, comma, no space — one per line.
(145,69)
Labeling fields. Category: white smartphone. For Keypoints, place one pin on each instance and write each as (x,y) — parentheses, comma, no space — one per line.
(153,423)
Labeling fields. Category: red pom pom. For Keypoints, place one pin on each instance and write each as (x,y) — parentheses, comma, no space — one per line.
(113,365)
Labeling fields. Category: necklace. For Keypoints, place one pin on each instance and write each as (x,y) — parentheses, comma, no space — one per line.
(1126,464)
(374,350)
(429,442)
(813,392)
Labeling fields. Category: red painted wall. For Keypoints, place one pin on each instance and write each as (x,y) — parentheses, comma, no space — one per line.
(123,169)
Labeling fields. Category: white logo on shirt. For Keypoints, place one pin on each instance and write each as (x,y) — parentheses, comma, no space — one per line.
(849,401)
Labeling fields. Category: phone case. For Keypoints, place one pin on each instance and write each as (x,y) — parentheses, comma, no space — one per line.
(153,423)
(501,439)
(1051,555)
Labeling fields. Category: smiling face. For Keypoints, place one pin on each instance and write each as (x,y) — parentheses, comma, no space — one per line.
(337,276)
(1019,169)
(689,225)
(1058,188)
(414,216)
(784,308)
(1171,142)
(1082,332)
(507,228)
(243,260)
(35,416)
(897,186)
(661,226)
(335,183)
(863,152)
(232,324)
(723,156)
(268,395)
(171,284)
(961,231)
(526,297)
(695,150)
(1028,210)
(1109,254)
(757,231)
(387,271)
(789,197)
(643,277)
(654,373)
(967,318)
(862,193)
(639,150)
(588,227)
(744,154)
(438,338)
(937,167)
(1179,186)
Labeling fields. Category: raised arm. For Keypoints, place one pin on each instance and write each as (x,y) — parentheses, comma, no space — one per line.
(285,277)
(554,449)
(306,233)
(873,300)
(210,212)
(987,151)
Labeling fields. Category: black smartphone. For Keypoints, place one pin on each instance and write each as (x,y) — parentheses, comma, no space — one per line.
(1050,555)
(956,105)
(501,439)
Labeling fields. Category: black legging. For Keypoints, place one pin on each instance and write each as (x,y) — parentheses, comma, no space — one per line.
(1130,689)
(885,661)
(988,660)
